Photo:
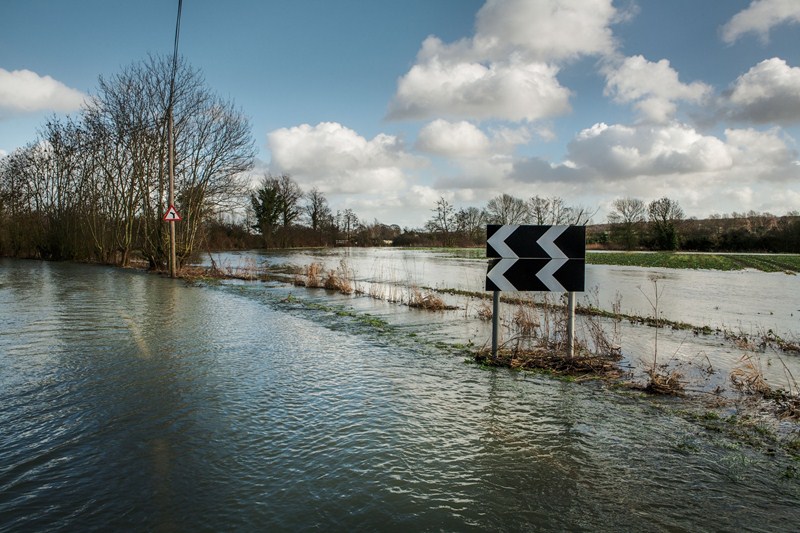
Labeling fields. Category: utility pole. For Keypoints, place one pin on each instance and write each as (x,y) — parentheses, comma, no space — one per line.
(173,268)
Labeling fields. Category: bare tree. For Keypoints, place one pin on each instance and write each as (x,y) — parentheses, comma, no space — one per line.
(506,209)
(471,222)
(316,208)
(663,214)
(628,218)
(289,193)
(580,215)
(443,221)
(555,211)
(539,210)
(347,223)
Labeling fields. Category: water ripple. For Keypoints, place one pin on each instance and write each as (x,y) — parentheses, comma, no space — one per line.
(221,410)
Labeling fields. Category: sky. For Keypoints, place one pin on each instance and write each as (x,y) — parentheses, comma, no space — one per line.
(388,106)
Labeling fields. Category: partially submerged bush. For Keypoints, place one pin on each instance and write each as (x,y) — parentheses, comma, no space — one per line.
(485,310)
(666,383)
(749,379)
(339,279)
(426,300)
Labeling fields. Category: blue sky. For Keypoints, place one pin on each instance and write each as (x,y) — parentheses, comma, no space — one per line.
(387,106)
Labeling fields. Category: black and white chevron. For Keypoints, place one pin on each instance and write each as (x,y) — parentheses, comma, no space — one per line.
(536,258)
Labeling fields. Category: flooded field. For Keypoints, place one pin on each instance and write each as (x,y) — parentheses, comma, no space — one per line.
(735,305)
(131,401)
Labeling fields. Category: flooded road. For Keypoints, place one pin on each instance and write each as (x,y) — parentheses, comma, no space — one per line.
(132,401)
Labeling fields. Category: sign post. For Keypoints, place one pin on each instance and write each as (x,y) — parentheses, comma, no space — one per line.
(536,258)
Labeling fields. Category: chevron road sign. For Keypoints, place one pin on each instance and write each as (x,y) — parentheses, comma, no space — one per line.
(536,258)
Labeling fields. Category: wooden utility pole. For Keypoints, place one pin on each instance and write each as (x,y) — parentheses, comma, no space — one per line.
(173,267)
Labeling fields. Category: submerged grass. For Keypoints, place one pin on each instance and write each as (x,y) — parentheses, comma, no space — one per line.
(789,263)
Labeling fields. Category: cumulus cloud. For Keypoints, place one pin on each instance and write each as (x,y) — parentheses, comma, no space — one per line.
(767,93)
(537,170)
(508,69)
(706,174)
(546,30)
(511,91)
(459,139)
(464,140)
(760,17)
(24,91)
(619,151)
(762,155)
(652,87)
(338,160)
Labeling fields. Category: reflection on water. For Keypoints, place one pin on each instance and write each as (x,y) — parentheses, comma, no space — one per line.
(132,401)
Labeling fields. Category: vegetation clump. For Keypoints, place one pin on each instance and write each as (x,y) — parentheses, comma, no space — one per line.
(551,360)
(749,379)
(427,300)
(539,342)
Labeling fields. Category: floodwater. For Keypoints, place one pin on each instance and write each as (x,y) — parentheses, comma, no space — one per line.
(746,304)
(131,401)
(743,301)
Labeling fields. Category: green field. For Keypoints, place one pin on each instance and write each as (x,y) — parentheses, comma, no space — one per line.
(789,263)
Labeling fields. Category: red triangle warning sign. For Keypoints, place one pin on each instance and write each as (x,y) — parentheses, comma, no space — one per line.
(172,214)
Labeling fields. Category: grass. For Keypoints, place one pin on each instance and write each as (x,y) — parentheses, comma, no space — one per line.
(763,262)
(426,300)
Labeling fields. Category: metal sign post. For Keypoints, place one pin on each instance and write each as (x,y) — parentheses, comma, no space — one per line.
(495,320)
(571,325)
(536,258)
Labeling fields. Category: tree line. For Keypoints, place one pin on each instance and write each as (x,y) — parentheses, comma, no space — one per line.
(285,216)
(662,225)
(94,187)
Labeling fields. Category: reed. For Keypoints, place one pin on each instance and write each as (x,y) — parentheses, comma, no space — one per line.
(661,380)
(426,300)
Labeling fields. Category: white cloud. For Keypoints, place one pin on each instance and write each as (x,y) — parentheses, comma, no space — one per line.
(545,30)
(452,139)
(762,155)
(653,87)
(760,17)
(508,69)
(767,93)
(24,91)
(338,160)
(511,91)
(619,151)
(464,140)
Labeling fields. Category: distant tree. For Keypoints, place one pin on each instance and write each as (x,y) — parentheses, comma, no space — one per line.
(443,221)
(347,223)
(316,209)
(663,214)
(627,218)
(289,193)
(580,215)
(539,210)
(471,223)
(555,211)
(506,209)
(561,213)
(267,209)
